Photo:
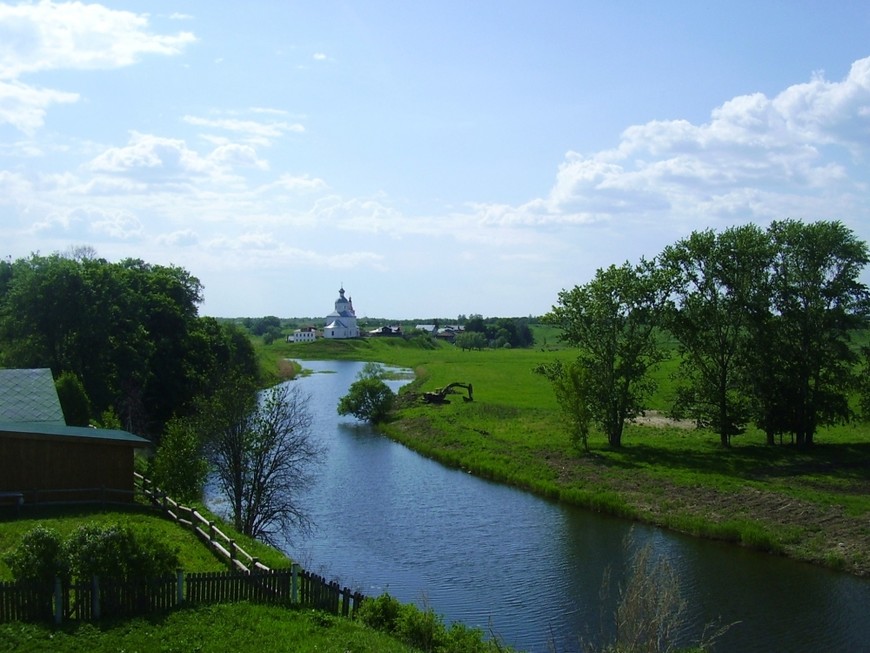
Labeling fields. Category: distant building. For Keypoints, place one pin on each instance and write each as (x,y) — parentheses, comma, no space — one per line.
(305,334)
(341,323)
(386,331)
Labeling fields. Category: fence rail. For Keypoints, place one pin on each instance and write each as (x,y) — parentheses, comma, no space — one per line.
(217,540)
(97,598)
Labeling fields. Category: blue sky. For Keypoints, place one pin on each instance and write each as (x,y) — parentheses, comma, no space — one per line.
(436,159)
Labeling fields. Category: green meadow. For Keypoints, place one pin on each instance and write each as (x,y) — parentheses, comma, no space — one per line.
(809,504)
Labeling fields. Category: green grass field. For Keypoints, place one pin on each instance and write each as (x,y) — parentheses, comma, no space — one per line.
(809,504)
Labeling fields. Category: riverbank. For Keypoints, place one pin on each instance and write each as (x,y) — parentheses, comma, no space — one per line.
(808,505)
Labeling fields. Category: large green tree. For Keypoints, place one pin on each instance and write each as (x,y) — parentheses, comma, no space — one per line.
(817,303)
(720,295)
(613,320)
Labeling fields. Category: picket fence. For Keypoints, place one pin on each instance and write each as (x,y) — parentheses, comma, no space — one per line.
(118,598)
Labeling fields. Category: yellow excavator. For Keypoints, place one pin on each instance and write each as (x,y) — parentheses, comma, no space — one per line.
(439,395)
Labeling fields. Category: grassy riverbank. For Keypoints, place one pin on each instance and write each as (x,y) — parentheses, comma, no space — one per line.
(811,505)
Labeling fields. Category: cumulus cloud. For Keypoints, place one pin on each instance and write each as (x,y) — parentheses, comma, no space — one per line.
(45,36)
(24,107)
(153,160)
(90,223)
(757,157)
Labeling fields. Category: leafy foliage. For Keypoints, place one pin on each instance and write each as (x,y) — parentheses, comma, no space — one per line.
(129,331)
(118,551)
(73,399)
(102,550)
(612,320)
(501,332)
(422,629)
(40,557)
(571,385)
(720,288)
(368,398)
(179,465)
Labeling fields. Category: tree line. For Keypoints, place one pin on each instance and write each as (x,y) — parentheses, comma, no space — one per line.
(129,350)
(765,322)
(129,333)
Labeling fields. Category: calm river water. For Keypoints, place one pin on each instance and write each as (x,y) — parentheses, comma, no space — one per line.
(530,570)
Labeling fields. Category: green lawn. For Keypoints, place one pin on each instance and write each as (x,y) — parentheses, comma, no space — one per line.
(236,627)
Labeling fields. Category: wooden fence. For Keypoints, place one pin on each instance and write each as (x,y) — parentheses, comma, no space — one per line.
(211,535)
(115,598)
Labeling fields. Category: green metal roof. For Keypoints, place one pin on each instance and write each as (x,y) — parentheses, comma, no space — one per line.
(41,428)
(29,396)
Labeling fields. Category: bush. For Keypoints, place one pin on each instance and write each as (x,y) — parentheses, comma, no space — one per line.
(111,551)
(381,613)
(180,469)
(118,551)
(422,629)
(73,399)
(39,558)
(368,399)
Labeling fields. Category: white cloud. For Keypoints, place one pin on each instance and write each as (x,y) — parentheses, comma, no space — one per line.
(73,35)
(46,36)
(181,238)
(155,160)
(24,106)
(798,147)
(251,131)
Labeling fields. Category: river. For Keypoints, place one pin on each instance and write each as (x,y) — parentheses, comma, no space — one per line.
(528,570)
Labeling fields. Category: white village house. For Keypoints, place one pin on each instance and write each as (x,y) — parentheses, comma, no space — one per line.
(341,323)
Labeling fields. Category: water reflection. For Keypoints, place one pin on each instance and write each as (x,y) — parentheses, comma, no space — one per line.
(531,570)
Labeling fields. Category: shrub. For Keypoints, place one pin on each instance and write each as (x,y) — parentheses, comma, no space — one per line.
(73,399)
(422,629)
(381,613)
(368,399)
(180,468)
(118,551)
(39,558)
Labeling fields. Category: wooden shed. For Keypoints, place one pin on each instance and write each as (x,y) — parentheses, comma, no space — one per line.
(44,460)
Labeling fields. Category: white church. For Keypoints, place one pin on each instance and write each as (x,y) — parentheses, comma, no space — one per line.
(341,323)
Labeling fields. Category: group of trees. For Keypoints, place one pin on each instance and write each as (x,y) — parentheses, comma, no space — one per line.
(495,332)
(764,321)
(128,331)
(128,349)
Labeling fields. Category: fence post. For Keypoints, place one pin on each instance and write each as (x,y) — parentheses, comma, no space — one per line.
(58,601)
(179,586)
(233,553)
(294,583)
(95,598)
(211,531)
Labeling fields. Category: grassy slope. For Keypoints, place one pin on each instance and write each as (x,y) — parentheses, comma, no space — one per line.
(237,627)
(811,505)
